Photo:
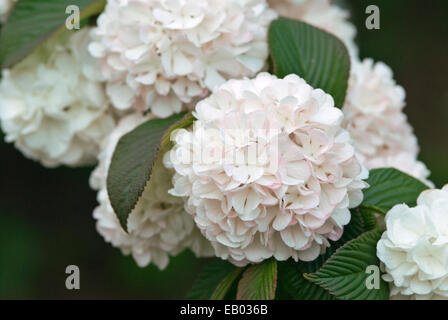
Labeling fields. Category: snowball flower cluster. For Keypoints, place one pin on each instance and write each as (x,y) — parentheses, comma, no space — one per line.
(5,7)
(374,117)
(321,14)
(293,195)
(50,109)
(158,226)
(164,54)
(414,247)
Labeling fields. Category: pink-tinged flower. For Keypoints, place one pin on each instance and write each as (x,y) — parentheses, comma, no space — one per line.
(165,54)
(267,170)
(414,248)
(373,113)
(321,14)
(51,108)
(158,227)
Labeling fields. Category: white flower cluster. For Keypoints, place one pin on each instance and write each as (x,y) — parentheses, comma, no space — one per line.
(158,226)
(293,195)
(374,117)
(5,7)
(414,248)
(52,110)
(270,167)
(321,14)
(162,54)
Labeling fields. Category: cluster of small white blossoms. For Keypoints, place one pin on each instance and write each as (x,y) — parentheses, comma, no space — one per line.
(374,117)
(294,197)
(158,226)
(51,108)
(321,14)
(414,248)
(5,7)
(165,54)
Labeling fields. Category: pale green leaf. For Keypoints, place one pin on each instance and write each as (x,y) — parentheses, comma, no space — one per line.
(32,22)
(259,282)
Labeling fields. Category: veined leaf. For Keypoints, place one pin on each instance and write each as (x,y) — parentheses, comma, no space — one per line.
(351,231)
(32,22)
(214,281)
(290,274)
(224,286)
(133,159)
(313,54)
(259,282)
(389,187)
(368,217)
(291,279)
(345,274)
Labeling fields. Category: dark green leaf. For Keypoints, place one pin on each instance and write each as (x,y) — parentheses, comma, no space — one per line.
(214,280)
(345,273)
(32,22)
(259,282)
(290,278)
(368,217)
(389,187)
(290,275)
(224,286)
(133,159)
(313,54)
(351,231)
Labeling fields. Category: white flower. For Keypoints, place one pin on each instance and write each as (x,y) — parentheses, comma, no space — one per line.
(5,7)
(374,117)
(404,162)
(161,54)
(321,14)
(158,226)
(49,108)
(414,247)
(287,199)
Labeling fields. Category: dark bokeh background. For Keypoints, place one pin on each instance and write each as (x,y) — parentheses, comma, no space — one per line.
(45,215)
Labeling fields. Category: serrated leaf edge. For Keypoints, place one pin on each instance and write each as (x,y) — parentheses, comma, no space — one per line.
(346,57)
(310,276)
(158,157)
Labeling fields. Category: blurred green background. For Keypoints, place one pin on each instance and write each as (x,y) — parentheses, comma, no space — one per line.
(46,215)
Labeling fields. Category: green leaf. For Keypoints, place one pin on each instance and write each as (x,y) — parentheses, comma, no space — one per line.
(259,282)
(291,279)
(224,286)
(214,281)
(136,154)
(351,231)
(313,54)
(368,217)
(32,22)
(344,275)
(290,275)
(389,187)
